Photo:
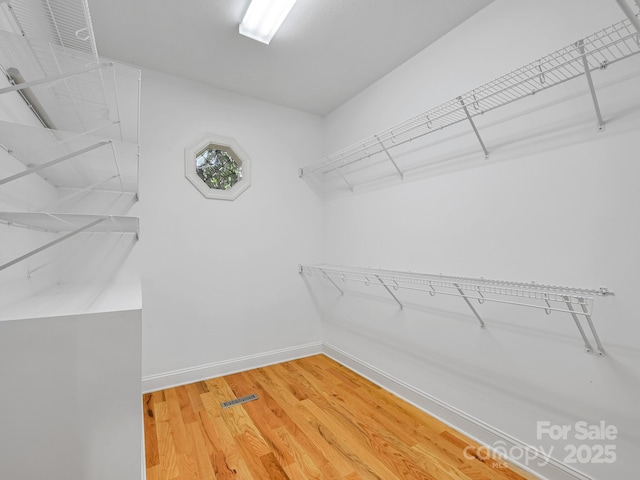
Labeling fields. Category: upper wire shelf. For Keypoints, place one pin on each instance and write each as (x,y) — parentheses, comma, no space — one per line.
(49,55)
(66,23)
(594,52)
(69,90)
(90,110)
(578,302)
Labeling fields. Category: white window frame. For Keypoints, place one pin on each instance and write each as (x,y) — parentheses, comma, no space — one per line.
(239,155)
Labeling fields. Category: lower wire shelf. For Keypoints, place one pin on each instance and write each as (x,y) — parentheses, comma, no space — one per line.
(577,302)
(67,224)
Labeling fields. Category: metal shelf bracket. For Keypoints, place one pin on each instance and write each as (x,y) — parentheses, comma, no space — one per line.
(587,73)
(464,297)
(52,243)
(587,345)
(332,282)
(390,157)
(54,162)
(475,129)
(390,292)
(585,310)
(344,179)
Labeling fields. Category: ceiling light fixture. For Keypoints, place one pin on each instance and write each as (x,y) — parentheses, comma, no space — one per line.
(264,17)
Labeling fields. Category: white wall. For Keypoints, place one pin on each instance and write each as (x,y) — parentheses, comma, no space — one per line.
(556,202)
(71,397)
(220,278)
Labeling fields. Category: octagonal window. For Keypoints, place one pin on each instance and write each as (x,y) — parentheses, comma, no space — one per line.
(217,167)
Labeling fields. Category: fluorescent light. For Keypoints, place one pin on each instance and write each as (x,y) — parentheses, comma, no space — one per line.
(264,17)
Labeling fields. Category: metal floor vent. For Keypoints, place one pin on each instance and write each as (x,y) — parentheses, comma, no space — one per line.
(231,403)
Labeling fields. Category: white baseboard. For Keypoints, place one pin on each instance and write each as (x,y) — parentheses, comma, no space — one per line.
(462,422)
(160,381)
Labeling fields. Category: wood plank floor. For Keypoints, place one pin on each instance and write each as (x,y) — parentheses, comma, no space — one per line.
(314,419)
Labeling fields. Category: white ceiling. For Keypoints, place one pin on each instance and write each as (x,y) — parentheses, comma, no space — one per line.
(326,51)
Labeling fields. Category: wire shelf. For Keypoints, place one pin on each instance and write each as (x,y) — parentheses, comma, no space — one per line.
(91,161)
(66,224)
(69,222)
(597,51)
(66,23)
(578,302)
(71,91)
(91,139)
(50,57)
(48,39)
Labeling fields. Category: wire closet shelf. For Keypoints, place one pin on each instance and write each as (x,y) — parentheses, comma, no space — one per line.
(67,224)
(63,22)
(577,302)
(595,52)
(91,138)
(73,161)
(48,53)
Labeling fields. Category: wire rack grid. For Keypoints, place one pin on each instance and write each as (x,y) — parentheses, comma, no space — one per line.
(603,48)
(577,302)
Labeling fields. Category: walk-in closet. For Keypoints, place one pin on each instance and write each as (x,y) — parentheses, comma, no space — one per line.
(379,239)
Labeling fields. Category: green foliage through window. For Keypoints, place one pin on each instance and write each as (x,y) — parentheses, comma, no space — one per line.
(217,169)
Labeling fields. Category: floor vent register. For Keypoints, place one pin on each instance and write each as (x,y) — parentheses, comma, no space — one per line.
(237,401)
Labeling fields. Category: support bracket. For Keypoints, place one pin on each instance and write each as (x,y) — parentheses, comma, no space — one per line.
(390,292)
(464,297)
(587,345)
(344,179)
(90,188)
(331,280)
(592,89)
(54,162)
(390,157)
(475,130)
(585,310)
(52,243)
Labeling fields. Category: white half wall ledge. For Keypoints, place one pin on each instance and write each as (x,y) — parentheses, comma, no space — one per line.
(160,381)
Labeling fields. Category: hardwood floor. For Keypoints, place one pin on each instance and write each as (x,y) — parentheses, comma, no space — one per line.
(314,419)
